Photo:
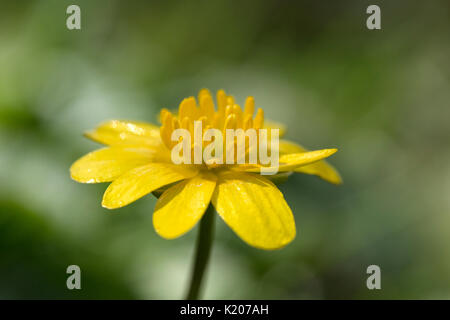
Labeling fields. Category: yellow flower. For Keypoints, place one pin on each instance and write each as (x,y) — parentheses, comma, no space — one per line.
(137,161)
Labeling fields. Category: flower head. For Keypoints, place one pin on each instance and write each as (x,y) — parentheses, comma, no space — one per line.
(138,161)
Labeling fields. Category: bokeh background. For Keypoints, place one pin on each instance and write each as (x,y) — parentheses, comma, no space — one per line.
(381,97)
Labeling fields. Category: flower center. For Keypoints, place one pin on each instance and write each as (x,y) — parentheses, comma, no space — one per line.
(198,118)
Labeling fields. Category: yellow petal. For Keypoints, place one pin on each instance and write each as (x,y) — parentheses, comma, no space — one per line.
(117,132)
(254,209)
(181,206)
(289,162)
(321,169)
(140,181)
(279,178)
(286,147)
(274,125)
(107,164)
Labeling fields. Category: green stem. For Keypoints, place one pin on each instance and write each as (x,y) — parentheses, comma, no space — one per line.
(202,252)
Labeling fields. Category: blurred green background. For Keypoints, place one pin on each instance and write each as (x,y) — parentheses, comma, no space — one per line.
(381,97)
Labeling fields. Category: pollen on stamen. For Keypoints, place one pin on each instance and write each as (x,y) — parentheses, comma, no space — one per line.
(224,114)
